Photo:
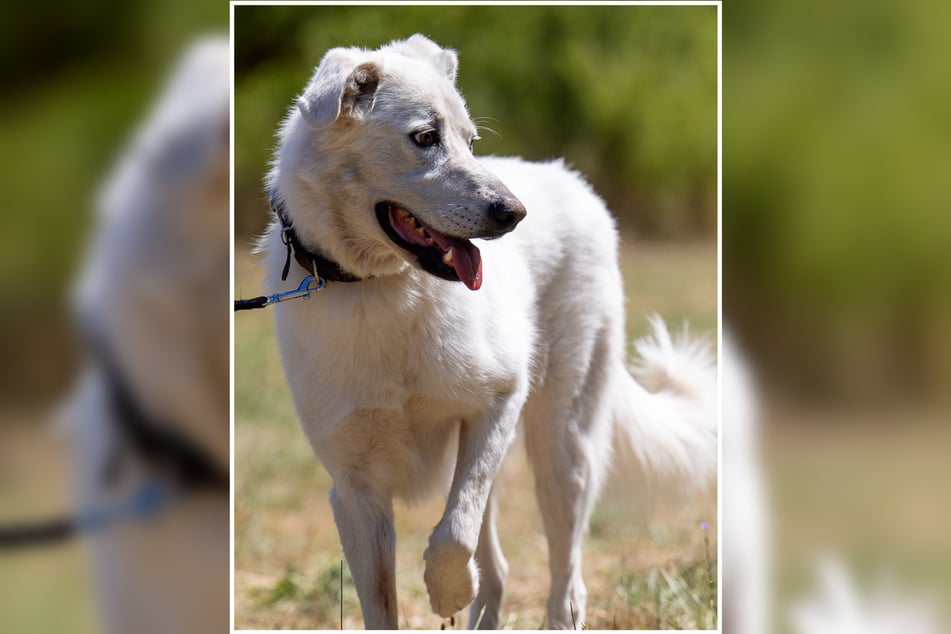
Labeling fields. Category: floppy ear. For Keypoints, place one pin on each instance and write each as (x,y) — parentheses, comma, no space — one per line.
(343,87)
(444,59)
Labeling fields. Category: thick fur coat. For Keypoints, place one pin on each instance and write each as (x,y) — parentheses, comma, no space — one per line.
(412,381)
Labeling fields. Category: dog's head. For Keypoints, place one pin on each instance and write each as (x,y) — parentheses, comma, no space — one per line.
(377,167)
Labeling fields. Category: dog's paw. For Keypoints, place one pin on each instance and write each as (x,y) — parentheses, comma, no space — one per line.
(452,578)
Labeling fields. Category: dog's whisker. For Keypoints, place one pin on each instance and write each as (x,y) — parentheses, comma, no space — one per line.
(480,128)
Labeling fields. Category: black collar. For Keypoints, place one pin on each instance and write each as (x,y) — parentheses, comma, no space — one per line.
(311,261)
(155,441)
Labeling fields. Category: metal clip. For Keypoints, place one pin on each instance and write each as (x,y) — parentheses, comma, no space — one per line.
(308,285)
(285,235)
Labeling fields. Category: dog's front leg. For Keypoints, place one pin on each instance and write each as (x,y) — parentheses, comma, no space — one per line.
(365,524)
(451,576)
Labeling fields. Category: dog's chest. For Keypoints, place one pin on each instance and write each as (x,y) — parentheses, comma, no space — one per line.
(421,360)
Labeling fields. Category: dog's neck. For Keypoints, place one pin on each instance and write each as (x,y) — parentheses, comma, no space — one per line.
(310,260)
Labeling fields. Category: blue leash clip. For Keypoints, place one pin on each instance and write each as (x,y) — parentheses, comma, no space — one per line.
(151,497)
(309,285)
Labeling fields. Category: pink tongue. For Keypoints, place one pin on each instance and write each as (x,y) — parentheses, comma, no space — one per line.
(467,261)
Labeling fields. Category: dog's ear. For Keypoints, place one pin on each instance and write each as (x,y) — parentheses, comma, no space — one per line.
(450,63)
(343,88)
(444,59)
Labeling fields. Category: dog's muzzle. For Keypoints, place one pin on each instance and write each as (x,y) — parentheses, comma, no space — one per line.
(452,258)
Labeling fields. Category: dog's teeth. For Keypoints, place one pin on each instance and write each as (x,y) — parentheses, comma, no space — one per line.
(403,212)
(421,232)
(447,257)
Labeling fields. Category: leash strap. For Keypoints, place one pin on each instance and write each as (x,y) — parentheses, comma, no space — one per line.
(250,304)
(35,534)
(145,502)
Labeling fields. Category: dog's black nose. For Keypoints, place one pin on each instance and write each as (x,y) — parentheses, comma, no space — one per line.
(506,213)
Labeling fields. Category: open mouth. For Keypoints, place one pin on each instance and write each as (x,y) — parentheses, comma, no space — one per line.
(453,259)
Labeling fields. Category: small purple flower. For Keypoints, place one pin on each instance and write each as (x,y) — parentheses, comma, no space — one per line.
(704,526)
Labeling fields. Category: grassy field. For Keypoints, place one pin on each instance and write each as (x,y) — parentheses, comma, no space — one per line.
(35,481)
(647,565)
(870,487)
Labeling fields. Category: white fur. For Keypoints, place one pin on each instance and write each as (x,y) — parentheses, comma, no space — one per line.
(409,385)
(745,527)
(155,288)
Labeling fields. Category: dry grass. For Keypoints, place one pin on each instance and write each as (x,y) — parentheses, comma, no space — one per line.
(643,570)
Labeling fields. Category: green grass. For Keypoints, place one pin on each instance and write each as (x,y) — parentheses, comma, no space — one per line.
(318,597)
(679,597)
(640,567)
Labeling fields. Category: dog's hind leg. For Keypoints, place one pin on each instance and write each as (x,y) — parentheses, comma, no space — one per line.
(365,524)
(568,434)
(486,610)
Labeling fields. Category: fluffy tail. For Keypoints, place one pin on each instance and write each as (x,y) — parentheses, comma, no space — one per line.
(667,417)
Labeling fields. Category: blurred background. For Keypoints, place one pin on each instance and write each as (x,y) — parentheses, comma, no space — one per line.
(76,80)
(74,85)
(837,281)
(628,96)
(836,223)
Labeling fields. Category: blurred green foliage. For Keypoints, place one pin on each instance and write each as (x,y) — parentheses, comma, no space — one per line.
(75,84)
(627,95)
(76,80)
(837,196)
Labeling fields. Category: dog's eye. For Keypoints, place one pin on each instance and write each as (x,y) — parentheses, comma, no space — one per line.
(425,138)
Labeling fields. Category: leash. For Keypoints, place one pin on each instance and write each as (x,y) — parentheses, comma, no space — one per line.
(309,285)
(148,500)
(176,465)
(322,268)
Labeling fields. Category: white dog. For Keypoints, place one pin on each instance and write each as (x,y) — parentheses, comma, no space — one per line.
(153,402)
(408,382)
